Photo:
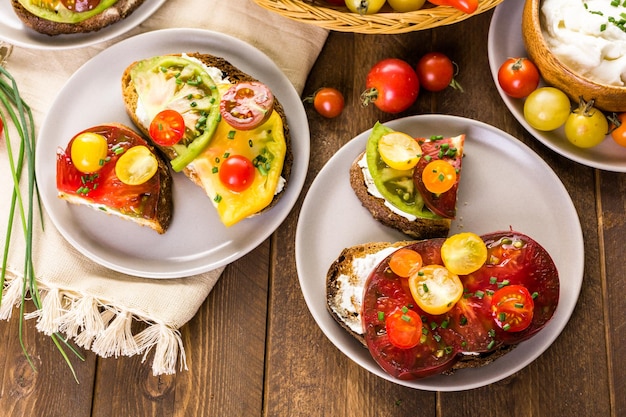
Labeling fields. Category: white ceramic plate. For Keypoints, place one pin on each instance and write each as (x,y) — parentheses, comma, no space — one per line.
(13,30)
(196,241)
(504,185)
(505,41)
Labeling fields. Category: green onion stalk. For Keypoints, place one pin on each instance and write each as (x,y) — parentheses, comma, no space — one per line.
(23,206)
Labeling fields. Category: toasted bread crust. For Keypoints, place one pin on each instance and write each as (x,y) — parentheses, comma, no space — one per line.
(165,205)
(343,265)
(120,10)
(415,229)
(235,75)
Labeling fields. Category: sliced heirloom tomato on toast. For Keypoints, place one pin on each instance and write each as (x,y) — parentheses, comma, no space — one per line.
(448,149)
(477,323)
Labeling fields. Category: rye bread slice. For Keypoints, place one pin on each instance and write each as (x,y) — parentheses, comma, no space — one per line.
(235,75)
(348,316)
(118,11)
(419,228)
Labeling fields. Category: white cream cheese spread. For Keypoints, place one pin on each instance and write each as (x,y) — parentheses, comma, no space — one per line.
(588,36)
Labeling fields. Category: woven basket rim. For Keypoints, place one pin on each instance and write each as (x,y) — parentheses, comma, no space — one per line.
(386,22)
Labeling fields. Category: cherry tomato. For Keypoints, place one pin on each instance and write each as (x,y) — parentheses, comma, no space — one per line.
(436,72)
(136,165)
(392,85)
(518,77)
(512,308)
(237,173)
(439,176)
(546,108)
(247,105)
(404,328)
(328,102)
(464,253)
(88,152)
(618,129)
(364,6)
(167,128)
(399,150)
(435,289)
(586,126)
(404,261)
(403,6)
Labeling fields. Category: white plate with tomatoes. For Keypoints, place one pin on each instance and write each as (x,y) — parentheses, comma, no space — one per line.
(13,30)
(505,41)
(498,174)
(196,241)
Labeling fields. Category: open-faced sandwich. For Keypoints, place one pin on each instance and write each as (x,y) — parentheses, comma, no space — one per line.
(56,17)
(218,125)
(433,306)
(114,170)
(407,183)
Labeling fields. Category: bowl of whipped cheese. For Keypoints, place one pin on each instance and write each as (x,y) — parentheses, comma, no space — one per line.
(579,47)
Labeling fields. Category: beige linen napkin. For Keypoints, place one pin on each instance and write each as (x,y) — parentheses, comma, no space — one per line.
(94,306)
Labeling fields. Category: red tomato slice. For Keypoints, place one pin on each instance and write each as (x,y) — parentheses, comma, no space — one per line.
(404,328)
(512,307)
(247,105)
(167,128)
(237,173)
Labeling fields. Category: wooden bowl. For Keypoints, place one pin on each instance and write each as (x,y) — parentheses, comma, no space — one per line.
(607,97)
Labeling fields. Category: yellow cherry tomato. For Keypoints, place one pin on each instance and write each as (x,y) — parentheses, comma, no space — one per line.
(399,150)
(365,6)
(464,253)
(136,166)
(435,289)
(88,152)
(439,176)
(403,6)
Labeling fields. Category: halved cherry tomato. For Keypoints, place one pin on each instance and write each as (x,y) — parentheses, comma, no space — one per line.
(404,261)
(512,308)
(88,152)
(247,105)
(435,289)
(404,328)
(392,85)
(439,176)
(237,173)
(436,72)
(618,129)
(399,150)
(136,165)
(167,128)
(518,77)
(464,253)
(328,102)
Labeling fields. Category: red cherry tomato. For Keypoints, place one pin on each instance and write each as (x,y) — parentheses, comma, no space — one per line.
(618,129)
(512,308)
(167,128)
(247,105)
(404,328)
(436,72)
(237,173)
(392,85)
(328,102)
(518,77)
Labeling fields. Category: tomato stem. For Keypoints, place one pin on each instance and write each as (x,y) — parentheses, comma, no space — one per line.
(369,96)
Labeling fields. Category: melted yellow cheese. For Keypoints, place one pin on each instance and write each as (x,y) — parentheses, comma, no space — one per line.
(267,140)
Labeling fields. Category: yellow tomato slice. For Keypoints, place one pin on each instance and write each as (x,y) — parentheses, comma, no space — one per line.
(136,166)
(464,253)
(399,150)
(439,176)
(88,152)
(435,289)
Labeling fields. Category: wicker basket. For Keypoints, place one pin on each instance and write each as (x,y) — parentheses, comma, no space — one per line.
(385,22)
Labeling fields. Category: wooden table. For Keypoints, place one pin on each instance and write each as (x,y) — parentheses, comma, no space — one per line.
(254,349)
